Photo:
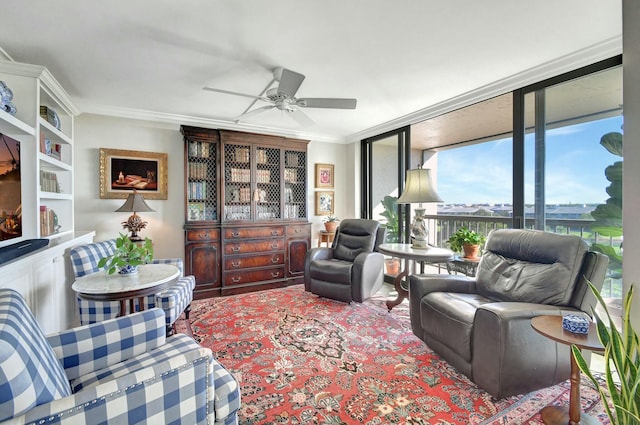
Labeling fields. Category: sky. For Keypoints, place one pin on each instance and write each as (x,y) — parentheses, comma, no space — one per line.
(575,164)
(5,156)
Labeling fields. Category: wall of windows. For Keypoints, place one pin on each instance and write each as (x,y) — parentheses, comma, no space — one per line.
(531,158)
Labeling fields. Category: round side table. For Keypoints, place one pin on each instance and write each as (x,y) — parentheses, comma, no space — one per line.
(551,327)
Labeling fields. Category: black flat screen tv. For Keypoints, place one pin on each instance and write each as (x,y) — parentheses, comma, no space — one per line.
(10,191)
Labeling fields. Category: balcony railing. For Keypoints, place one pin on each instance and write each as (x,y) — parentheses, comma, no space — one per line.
(443,226)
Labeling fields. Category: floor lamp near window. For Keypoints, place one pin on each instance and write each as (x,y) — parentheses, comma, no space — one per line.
(419,189)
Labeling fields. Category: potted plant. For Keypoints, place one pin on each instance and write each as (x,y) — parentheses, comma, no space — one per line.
(127,256)
(331,223)
(466,241)
(620,351)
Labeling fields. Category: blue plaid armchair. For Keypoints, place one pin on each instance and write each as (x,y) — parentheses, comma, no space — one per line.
(120,371)
(174,299)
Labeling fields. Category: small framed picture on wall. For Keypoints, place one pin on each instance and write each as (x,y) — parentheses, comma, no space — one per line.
(324,203)
(324,175)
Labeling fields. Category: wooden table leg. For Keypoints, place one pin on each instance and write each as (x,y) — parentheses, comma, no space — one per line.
(397,283)
(557,415)
(123,308)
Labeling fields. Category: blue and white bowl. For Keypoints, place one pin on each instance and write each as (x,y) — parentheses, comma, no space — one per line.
(575,324)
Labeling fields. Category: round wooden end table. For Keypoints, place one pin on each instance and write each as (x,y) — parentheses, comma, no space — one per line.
(551,327)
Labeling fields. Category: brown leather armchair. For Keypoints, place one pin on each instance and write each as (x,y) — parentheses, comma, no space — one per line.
(482,325)
(351,270)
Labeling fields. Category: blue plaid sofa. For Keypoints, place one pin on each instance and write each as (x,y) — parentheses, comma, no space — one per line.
(120,371)
(174,299)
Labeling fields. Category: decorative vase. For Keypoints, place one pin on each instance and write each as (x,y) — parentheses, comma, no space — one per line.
(470,251)
(330,226)
(127,269)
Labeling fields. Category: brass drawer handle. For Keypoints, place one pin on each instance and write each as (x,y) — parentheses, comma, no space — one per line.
(236,279)
(203,235)
(297,230)
(236,263)
(235,234)
(275,274)
(274,246)
(275,233)
(235,248)
(275,260)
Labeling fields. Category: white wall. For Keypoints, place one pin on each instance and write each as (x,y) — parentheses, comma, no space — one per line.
(631,138)
(93,132)
(336,154)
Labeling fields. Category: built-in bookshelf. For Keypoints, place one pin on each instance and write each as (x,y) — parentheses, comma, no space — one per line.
(43,123)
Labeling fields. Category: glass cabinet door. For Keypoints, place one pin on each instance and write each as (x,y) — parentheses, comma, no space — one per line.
(237,182)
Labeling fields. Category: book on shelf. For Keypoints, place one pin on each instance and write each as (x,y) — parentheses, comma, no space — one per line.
(198,149)
(48,221)
(49,182)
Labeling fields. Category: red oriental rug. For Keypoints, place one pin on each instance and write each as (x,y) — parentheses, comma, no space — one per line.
(301,359)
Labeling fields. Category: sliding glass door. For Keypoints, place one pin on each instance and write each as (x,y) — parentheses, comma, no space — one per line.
(573,163)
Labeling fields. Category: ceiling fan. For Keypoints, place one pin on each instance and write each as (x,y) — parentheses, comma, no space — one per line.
(282,97)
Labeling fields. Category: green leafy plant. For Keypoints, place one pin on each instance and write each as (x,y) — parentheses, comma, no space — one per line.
(126,253)
(608,216)
(331,219)
(464,236)
(621,352)
(390,214)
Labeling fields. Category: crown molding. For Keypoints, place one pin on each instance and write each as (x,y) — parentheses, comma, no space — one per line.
(587,56)
(178,119)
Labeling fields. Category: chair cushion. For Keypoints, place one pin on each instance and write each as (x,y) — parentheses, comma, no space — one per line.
(335,271)
(355,236)
(530,266)
(30,374)
(449,316)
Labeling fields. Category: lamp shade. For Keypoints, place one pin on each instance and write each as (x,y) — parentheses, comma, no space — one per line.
(418,188)
(134,203)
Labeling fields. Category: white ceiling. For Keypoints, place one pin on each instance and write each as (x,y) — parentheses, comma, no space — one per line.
(151,58)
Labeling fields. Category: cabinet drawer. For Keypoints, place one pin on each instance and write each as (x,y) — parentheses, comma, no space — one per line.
(203,235)
(231,248)
(251,261)
(253,232)
(298,230)
(245,277)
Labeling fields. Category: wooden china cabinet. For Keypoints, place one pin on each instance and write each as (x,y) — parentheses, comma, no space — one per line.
(246,210)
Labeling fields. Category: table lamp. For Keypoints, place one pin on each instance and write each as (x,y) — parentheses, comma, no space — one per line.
(134,203)
(418,188)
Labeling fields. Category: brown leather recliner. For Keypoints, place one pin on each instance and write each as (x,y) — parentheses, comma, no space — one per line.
(351,270)
(482,325)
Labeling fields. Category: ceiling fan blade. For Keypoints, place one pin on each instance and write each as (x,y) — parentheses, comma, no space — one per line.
(250,96)
(255,112)
(327,102)
(302,118)
(289,81)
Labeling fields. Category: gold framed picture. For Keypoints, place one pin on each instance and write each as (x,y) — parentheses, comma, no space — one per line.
(122,171)
(324,175)
(324,203)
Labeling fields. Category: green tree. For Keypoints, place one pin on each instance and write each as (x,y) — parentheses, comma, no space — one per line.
(608,216)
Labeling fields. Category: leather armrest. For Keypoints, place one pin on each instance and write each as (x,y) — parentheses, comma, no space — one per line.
(321,253)
(504,311)
(507,350)
(423,284)
(367,269)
